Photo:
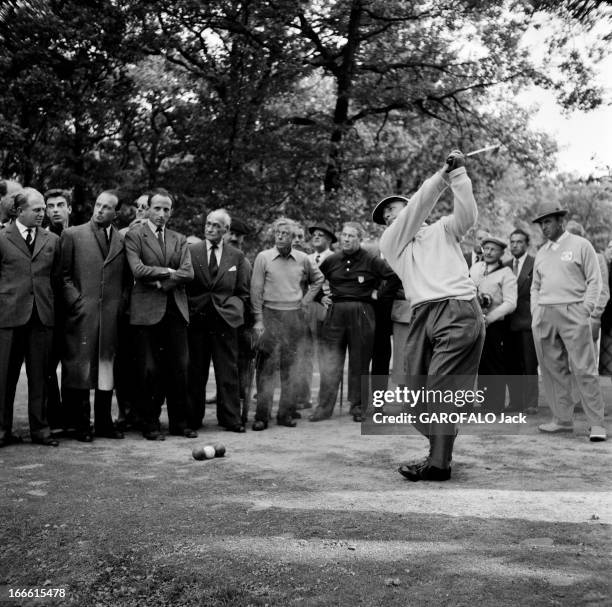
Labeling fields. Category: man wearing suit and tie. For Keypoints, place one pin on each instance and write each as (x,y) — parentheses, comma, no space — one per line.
(161,264)
(29,272)
(217,298)
(93,285)
(519,348)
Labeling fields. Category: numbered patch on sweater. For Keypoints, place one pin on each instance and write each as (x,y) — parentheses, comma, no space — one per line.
(567,256)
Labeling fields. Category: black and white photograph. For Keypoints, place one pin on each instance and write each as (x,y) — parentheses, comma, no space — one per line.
(305,303)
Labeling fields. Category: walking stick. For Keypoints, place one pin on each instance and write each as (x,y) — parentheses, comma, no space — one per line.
(253,364)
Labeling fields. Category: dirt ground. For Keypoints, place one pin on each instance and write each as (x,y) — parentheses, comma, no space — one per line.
(315,515)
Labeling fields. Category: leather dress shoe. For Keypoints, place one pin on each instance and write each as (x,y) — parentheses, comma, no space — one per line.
(296,415)
(47,441)
(531,410)
(287,421)
(112,433)
(424,472)
(358,418)
(236,428)
(259,425)
(155,435)
(189,433)
(10,439)
(84,437)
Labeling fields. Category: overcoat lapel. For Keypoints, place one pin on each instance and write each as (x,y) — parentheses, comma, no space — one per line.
(100,239)
(115,246)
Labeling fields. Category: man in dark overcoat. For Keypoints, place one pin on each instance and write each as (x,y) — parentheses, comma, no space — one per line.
(94,286)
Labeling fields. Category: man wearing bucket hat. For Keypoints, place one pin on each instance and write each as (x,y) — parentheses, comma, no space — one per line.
(446,330)
(565,290)
(322,238)
(497,293)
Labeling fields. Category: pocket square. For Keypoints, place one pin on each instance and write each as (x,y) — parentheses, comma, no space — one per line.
(232,269)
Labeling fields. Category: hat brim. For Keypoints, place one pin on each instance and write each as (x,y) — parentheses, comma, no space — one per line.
(311,229)
(497,241)
(561,213)
(377,213)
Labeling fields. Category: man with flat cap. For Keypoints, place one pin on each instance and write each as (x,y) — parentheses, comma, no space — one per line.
(564,291)
(236,234)
(446,331)
(497,292)
(322,238)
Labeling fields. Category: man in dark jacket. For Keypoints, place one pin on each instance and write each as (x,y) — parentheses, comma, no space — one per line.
(217,297)
(519,349)
(29,271)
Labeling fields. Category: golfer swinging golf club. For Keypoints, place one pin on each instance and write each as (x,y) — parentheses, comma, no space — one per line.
(446,331)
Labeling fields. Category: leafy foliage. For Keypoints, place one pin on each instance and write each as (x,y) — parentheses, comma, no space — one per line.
(305,108)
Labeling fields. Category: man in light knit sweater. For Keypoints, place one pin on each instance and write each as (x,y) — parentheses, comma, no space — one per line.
(565,290)
(446,331)
(283,283)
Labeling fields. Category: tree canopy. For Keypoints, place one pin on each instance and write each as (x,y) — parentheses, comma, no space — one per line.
(302,107)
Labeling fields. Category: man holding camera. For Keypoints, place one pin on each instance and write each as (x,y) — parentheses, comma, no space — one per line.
(496,287)
(446,331)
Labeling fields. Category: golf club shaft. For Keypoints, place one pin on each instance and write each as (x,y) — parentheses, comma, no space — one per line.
(482,150)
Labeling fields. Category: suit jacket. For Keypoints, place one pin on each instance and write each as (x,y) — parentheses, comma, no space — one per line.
(468,258)
(27,277)
(94,288)
(149,266)
(228,292)
(520,319)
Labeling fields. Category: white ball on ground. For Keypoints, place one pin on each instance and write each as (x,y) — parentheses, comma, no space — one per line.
(209,452)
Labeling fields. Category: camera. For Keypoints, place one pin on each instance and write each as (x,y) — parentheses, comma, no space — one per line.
(485,300)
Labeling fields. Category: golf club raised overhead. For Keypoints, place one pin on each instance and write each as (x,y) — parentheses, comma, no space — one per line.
(489,148)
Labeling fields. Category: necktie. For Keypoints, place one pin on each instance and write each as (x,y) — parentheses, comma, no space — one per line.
(160,239)
(212,261)
(515,266)
(318,258)
(30,240)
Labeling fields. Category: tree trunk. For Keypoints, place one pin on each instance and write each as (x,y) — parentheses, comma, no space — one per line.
(344,78)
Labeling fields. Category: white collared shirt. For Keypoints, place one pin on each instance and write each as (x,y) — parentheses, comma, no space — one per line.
(153,229)
(322,256)
(218,251)
(555,244)
(23,230)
